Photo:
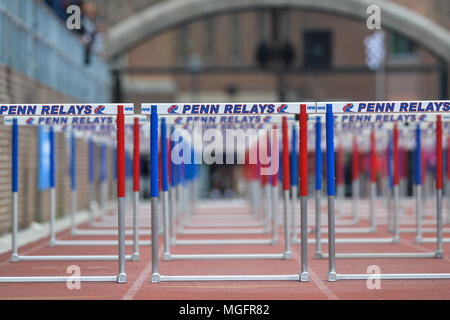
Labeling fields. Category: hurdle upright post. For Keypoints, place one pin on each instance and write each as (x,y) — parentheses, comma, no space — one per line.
(331,194)
(122,277)
(136,188)
(15,189)
(439,183)
(165,188)
(390,182)
(73,177)
(274,153)
(173,209)
(447,184)
(418,184)
(303,157)
(154,190)
(91,156)
(294,185)
(395,184)
(52,187)
(318,187)
(264,185)
(286,186)
(373,182)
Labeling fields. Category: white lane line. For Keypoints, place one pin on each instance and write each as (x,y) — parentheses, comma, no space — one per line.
(317,281)
(143,276)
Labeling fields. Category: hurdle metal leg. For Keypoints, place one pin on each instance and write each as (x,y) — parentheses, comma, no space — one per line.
(355,204)
(268,208)
(274,215)
(173,219)
(395,222)
(439,251)
(331,241)
(287,229)
(15,253)
(373,194)
(73,209)
(448,199)
(318,225)
(155,259)
(304,275)
(165,203)
(418,189)
(295,217)
(135,256)
(52,216)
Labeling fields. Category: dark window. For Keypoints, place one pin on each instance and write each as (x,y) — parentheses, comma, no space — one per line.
(317,49)
(401,46)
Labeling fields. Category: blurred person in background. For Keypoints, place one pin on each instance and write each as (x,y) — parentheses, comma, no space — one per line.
(91,30)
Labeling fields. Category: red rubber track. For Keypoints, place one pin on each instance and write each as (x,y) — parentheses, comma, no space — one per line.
(138,284)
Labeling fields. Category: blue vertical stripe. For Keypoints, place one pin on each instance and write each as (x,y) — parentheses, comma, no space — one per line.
(15,156)
(330,151)
(318,154)
(154,152)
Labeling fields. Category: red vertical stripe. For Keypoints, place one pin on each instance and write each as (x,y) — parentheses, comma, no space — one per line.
(286,177)
(395,155)
(439,153)
(303,151)
(120,153)
(136,156)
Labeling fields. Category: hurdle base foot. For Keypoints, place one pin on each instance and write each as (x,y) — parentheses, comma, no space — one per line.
(15,257)
(122,278)
(274,241)
(156,278)
(304,277)
(52,243)
(332,277)
(318,255)
(135,256)
(166,256)
(287,255)
(418,240)
(395,239)
(439,254)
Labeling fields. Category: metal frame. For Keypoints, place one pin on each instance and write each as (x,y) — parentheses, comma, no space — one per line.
(332,274)
(271,197)
(121,276)
(156,276)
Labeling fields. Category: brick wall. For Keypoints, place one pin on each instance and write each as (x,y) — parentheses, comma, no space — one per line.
(34,204)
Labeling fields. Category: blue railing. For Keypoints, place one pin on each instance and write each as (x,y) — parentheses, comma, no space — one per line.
(36,43)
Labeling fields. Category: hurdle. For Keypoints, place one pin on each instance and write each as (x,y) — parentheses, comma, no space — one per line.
(105,232)
(318,184)
(269,198)
(121,276)
(272,195)
(156,276)
(53,240)
(332,274)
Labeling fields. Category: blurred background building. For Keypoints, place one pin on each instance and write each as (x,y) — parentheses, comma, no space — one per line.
(216,58)
(261,53)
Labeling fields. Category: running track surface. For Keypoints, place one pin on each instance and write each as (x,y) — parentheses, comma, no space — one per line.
(138,284)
